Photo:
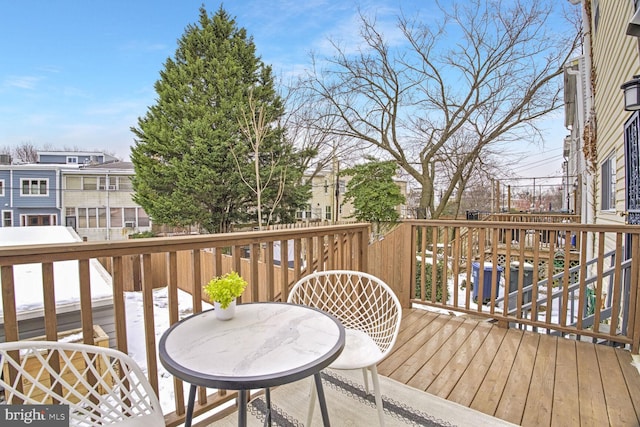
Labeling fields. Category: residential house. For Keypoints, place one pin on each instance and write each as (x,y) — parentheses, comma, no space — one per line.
(602,149)
(89,192)
(97,202)
(74,157)
(327,195)
(327,198)
(30,195)
(577,183)
(604,157)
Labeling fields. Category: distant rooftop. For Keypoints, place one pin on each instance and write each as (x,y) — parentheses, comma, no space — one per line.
(117,165)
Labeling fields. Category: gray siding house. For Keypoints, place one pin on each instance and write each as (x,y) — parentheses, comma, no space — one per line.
(30,195)
(74,157)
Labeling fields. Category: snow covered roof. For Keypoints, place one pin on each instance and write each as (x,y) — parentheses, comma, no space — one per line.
(28,277)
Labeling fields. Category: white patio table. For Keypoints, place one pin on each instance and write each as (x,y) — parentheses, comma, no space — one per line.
(264,345)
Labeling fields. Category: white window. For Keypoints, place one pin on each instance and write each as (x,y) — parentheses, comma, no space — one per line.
(7,219)
(90,183)
(92,218)
(124,183)
(72,160)
(327,212)
(115,217)
(107,183)
(1,187)
(73,182)
(608,178)
(130,217)
(143,218)
(34,187)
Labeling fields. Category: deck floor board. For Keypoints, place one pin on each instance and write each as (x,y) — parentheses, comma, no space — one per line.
(468,385)
(539,402)
(459,362)
(619,404)
(522,377)
(566,408)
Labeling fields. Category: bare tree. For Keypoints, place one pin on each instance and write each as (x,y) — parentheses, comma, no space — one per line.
(311,131)
(26,153)
(269,170)
(490,69)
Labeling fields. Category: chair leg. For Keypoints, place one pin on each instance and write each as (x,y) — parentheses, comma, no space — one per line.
(378,395)
(312,403)
(365,375)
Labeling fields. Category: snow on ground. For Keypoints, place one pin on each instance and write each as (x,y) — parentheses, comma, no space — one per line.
(136,340)
(462,296)
(28,277)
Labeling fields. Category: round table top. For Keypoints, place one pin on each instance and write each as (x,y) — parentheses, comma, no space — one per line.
(264,345)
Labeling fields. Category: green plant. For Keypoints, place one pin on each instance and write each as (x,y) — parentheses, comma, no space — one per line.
(427,277)
(142,235)
(226,288)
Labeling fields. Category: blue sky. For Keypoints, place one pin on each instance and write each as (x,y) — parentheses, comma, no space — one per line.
(78,74)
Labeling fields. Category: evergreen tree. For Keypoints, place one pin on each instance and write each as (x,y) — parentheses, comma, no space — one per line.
(191,156)
(374,194)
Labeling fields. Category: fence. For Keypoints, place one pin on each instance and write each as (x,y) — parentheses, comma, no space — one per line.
(562,278)
(185,262)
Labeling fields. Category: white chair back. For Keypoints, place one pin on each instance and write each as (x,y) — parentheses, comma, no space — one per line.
(359,300)
(100,385)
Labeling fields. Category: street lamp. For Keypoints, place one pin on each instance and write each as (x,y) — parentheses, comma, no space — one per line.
(632,94)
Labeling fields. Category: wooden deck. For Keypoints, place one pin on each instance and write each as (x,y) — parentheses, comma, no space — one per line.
(525,378)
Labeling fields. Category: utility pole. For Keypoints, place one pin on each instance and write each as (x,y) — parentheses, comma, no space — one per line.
(533,203)
(337,193)
(493,194)
(335,199)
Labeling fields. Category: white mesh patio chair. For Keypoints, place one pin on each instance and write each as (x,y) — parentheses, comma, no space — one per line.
(102,386)
(370,313)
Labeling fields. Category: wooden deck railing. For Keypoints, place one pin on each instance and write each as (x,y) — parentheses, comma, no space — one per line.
(534,217)
(571,279)
(185,262)
(570,285)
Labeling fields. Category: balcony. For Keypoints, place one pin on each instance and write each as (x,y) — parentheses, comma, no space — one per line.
(550,347)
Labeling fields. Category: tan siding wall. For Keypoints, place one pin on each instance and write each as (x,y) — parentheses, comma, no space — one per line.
(615,56)
(122,198)
(320,199)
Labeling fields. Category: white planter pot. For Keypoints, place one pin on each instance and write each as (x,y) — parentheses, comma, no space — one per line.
(224,313)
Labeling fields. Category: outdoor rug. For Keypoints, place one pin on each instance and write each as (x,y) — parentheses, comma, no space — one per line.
(349,405)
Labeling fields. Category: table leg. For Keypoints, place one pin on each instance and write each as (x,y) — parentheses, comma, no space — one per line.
(321,399)
(267,394)
(190,404)
(242,408)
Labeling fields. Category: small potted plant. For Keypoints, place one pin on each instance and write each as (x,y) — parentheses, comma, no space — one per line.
(223,291)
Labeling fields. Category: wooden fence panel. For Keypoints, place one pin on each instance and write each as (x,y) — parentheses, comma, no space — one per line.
(387,260)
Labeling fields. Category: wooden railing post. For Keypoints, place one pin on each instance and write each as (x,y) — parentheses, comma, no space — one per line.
(571,288)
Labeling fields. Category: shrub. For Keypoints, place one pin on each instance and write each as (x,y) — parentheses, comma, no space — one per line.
(428,276)
(142,235)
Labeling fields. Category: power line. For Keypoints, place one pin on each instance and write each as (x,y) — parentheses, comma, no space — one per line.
(538,163)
